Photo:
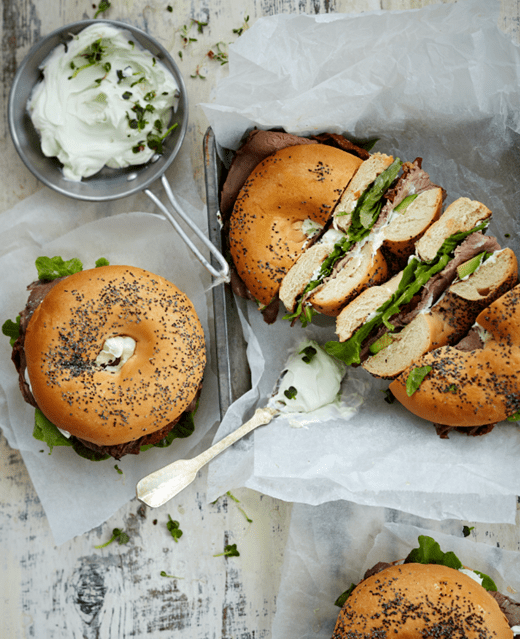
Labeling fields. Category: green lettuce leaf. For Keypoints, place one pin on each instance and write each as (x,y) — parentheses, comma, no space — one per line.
(11,329)
(429,552)
(50,268)
(46,431)
(415,378)
(415,275)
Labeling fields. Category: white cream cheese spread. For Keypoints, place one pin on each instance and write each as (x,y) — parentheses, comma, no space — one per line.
(103,101)
(312,380)
(115,353)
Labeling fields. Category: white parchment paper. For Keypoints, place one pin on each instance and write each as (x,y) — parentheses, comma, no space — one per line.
(440,83)
(78,495)
(332,545)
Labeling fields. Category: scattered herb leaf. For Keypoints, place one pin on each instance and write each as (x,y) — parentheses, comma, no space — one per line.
(230,550)
(102,6)
(165,574)
(237,501)
(466,530)
(173,527)
(119,471)
(120,535)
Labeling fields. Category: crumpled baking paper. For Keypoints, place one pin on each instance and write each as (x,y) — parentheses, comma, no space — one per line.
(441,83)
(78,495)
(331,546)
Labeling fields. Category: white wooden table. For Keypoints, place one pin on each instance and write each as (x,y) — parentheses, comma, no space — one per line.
(75,591)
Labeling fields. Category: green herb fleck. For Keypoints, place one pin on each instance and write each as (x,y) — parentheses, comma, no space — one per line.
(169,8)
(230,550)
(120,535)
(291,392)
(466,530)
(154,142)
(173,527)
(119,471)
(244,26)
(237,501)
(220,54)
(309,353)
(165,574)
(93,55)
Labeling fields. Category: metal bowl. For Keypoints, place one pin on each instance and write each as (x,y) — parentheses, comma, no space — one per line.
(107,184)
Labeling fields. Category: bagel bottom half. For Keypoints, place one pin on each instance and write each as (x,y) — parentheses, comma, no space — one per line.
(414,601)
(112,399)
(474,387)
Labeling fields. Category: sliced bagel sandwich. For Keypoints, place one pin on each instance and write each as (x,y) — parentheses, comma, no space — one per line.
(455,273)
(374,228)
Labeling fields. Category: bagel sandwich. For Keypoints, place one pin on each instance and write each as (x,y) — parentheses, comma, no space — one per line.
(287,198)
(472,385)
(429,594)
(385,209)
(112,358)
(456,272)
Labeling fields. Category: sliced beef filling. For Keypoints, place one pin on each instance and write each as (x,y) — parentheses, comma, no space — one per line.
(38,290)
(443,431)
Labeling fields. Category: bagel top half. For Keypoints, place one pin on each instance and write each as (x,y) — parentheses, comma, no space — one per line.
(294,184)
(414,601)
(124,399)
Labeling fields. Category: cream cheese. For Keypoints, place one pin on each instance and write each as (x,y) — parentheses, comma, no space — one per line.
(312,379)
(115,353)
(102,100)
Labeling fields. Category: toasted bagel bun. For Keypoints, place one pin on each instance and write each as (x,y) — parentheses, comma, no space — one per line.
(366,174)
(449,319)
(359,310)
(413,601)
(405,229)
(366,267)
(301,273)
(292,185)
(461,215)
(475,387)
(110,405)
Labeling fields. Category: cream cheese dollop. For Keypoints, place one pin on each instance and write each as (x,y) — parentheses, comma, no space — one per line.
(102,99)
(115,353)
(312,379)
